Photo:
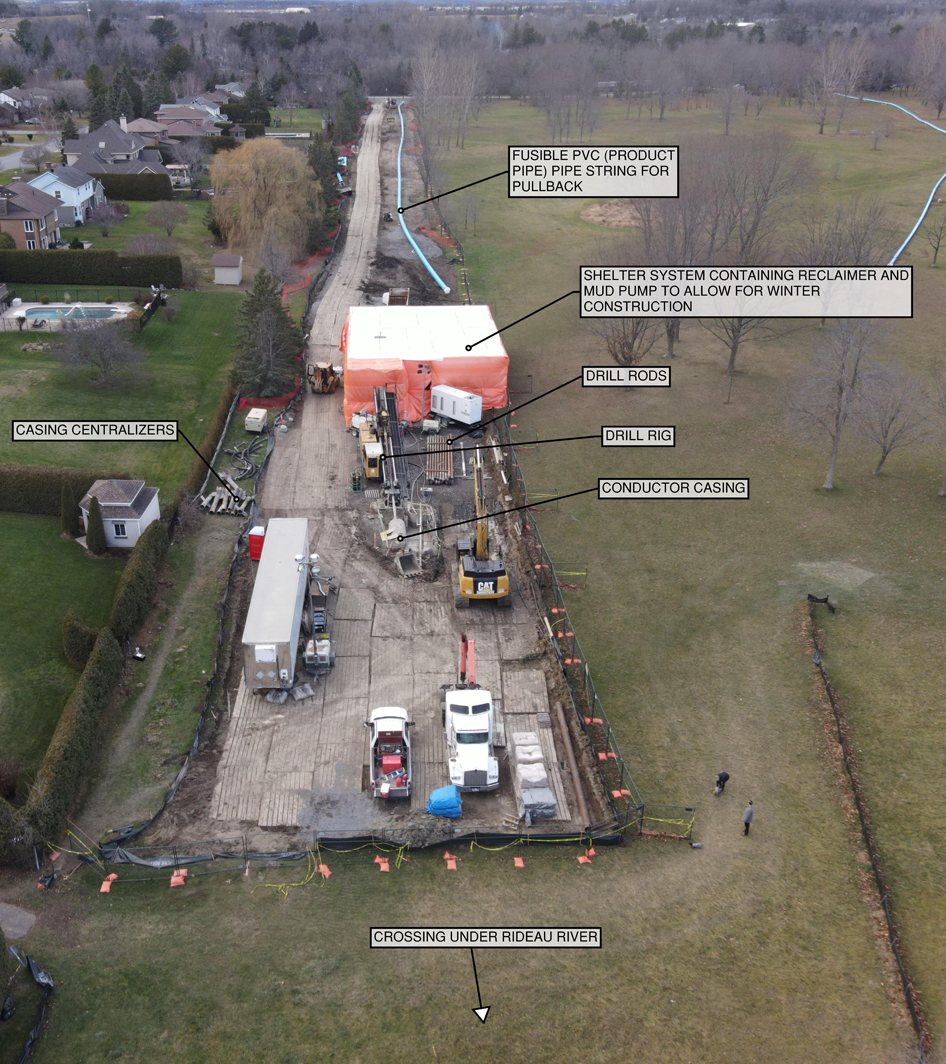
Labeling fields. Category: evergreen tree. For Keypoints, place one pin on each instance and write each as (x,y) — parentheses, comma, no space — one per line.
(175,61)
(124,79)
(69,130)
(104,28)
(309,32)
(69,512)
(156,92)
(46,49)
(124,105)
(95,80)
(23,35)
(99,111)
(324,162)
(254,105)
(165,30)
(268,341)
(95,533)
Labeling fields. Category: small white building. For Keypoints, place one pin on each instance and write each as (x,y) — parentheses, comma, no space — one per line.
(77,192)
(128,507)
(228,269)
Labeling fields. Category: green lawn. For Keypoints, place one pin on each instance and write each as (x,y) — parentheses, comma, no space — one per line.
(43,577)
(192,239)
(187,365)
(303,118)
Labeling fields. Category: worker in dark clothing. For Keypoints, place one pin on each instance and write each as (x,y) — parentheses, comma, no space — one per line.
(747,817)
(721,780)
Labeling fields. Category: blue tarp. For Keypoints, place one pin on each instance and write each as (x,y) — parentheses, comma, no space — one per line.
(445,801)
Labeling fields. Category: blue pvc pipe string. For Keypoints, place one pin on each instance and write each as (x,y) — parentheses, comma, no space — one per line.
(929,202)
(400,217)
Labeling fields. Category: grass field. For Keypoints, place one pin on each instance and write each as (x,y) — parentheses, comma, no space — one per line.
(182,378)
(688,615)
(753,949)
(192,239)
(303,118)
(43,576)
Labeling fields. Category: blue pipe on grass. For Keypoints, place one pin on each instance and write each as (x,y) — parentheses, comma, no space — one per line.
(929,202)
(400,217)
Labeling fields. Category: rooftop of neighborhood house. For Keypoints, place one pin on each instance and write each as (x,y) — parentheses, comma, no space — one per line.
(66,175)
(21,199)
(109,137)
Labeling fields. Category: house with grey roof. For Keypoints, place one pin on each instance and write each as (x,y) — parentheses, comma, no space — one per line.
(77,192)
(128,507)
(113,149)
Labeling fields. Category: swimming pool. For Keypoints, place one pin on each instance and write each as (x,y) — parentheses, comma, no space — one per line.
(77,311)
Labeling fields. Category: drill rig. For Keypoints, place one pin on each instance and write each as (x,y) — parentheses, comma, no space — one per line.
(481,573)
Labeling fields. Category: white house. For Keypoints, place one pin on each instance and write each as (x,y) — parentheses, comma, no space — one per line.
(128,507)
(228,269)
(77,192)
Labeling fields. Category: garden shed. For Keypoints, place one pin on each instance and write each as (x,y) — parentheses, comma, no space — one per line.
(128,507)
(228,269)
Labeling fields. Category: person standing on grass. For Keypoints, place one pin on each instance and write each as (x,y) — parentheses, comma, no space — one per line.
(747,817)
(721,780)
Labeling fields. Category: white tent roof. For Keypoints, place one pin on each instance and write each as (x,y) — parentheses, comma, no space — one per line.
(422,334)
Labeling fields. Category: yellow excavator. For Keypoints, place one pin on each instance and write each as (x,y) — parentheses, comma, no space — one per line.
(482,574)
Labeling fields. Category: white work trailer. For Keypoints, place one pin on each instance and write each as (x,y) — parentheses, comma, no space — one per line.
(455,404)
(274,619)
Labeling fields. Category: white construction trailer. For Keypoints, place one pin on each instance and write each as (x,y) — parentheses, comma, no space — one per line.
(273,621)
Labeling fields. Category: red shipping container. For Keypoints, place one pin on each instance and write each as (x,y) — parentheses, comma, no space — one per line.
(256,537)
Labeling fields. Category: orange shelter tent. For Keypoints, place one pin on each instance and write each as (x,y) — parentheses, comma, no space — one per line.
(394,345)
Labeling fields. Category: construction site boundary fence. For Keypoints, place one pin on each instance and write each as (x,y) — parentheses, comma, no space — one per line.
(154,861)
(623,797)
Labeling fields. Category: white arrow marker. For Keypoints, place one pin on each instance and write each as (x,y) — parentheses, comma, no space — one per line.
(483,1011)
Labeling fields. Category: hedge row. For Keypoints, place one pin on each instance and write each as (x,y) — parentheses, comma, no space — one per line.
(139,582)
(38,489)
(72,747)
(78,639)
(145,187)
(90,267)
(198,470)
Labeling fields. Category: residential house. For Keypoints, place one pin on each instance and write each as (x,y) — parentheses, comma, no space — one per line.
(169,113)
(234,89)
(202,103)
(19,100)
(113,149)
(128,507)
(30,216)
(77,192)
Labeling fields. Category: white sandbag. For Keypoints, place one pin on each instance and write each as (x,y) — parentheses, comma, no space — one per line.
(525,738)
(528,755)
(529,776)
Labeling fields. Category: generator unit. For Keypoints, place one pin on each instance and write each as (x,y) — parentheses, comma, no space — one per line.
(256,420)
(456,405)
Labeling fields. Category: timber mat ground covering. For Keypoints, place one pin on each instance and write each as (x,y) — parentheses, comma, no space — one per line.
(187,364)
(749,950)
(43,575)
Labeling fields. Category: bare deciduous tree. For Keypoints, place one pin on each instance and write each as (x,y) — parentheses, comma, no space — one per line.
(628,340)
(166,215)
(36,156)
(193,154)
(890,412)
(100,346)
(823,398)
(938,407)
(104,216)
(290,98)
(935,232)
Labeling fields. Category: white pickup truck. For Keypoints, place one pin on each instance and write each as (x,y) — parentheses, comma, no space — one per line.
(468,732)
